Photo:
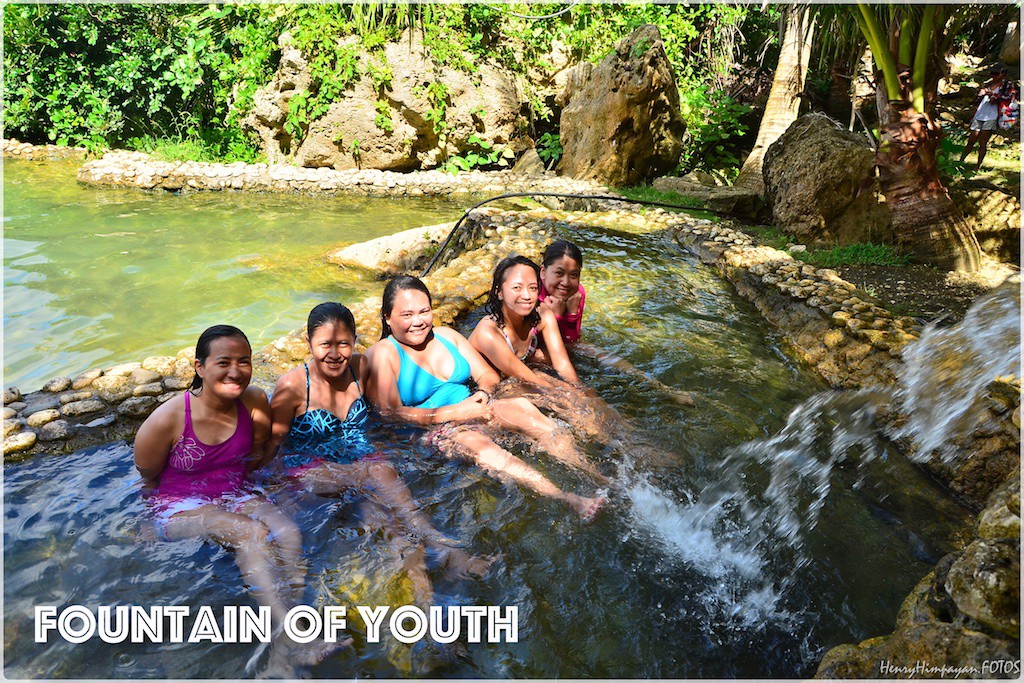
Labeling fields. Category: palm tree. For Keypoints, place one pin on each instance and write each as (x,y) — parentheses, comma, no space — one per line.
(783,104)
(908,44)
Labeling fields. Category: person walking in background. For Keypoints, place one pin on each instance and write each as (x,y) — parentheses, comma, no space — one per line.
(994,94)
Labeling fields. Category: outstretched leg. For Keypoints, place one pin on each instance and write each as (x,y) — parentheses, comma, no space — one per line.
(499,461)
(519,415)
(286,541)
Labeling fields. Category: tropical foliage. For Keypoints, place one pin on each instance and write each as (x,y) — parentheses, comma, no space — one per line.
(182,77)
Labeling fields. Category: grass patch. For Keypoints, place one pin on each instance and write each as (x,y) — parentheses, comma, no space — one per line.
(210,147)
(769,236)
(864,254)
(649,194)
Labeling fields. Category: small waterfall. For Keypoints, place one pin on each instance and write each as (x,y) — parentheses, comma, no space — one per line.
(946,372)
(770,493)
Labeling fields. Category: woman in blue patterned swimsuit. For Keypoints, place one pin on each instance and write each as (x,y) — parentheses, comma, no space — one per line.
(327,454)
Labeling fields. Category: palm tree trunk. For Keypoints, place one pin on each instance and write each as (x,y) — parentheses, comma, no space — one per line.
(925,220)
(783,104)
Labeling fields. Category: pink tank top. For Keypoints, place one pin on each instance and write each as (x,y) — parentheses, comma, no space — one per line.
(569,324)
(195,469)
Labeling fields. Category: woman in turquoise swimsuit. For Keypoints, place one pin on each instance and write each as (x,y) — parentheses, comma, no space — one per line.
(406,367)
(328,454)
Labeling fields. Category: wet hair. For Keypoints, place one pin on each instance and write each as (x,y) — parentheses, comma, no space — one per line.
(395,285)
(206,339)
(329,312)
(493,305)
(560,248)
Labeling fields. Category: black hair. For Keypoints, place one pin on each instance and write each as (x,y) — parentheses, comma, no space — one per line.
(206,339)
(395,285)
(329,312)
(560,248)
(493,305)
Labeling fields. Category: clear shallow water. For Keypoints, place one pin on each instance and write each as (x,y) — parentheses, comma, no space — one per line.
(94,277)
(673,580)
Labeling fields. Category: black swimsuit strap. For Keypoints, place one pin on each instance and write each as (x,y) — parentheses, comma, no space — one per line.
(355,379)
(306,365)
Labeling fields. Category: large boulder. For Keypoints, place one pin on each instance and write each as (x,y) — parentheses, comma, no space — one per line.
(391,127)
(620,122)
(820,185)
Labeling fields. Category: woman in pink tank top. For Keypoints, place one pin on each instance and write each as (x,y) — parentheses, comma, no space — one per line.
(195,452)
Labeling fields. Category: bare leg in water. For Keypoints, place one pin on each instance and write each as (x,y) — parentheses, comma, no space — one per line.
(258,556)
(380,480)
(492,457)
(519,415)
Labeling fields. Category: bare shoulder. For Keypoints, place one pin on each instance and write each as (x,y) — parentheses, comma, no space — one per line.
(290,382)
(168,414)
(485,328)
(450,335)
(255,398)
(383,350)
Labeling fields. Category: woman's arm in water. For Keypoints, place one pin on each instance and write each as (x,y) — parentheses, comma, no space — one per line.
(156,436)
(555,346)
(382,392)
(255,399)
(488,342)
(288,394)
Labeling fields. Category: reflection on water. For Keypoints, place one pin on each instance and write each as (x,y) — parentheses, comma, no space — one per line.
(688,573)
(101,276)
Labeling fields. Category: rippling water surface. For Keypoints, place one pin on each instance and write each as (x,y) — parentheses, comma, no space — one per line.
(98,276)
(677,577)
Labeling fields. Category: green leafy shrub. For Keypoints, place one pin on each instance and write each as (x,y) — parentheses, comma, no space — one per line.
(549,148)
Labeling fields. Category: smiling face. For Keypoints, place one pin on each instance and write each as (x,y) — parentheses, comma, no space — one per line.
(411,318)
(332,345)
(519,290)
(562,277)
(227,369)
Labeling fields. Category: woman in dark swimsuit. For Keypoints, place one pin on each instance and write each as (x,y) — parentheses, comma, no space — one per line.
(327,454)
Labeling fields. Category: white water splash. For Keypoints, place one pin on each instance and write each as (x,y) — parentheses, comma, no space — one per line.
(947,371)
(703,536)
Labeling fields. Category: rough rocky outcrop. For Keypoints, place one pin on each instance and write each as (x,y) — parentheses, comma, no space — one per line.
(820,186)
(964,616)
(620,120)
(994,214)
(456,287)
(402,252)
(353,134)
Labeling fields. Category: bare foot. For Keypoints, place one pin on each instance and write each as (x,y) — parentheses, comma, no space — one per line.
(461,564)
(586,508)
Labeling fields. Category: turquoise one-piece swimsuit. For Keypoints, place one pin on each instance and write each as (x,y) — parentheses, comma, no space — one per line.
(419,389)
